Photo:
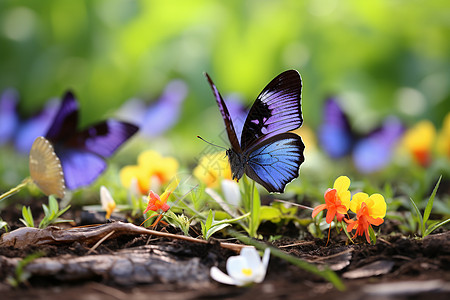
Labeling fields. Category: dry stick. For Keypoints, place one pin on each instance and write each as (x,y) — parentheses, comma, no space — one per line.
(100,241)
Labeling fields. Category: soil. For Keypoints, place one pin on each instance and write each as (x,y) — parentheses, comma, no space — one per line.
(397,267)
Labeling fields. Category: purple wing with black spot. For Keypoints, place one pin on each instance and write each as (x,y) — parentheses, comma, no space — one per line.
(335,135)
(82,153)
(103,138)
(276,110)
(231,132)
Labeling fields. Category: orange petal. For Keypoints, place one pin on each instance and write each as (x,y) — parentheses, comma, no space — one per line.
(318,209)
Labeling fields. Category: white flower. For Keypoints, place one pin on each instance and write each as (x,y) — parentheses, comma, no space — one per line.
(108,203)
(244,269)
(231,192)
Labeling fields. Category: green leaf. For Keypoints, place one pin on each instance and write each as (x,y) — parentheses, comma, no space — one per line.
(419,215)
(269,213)
(435,226)
(53,204)
(214,229)
(373,237)
(255,210)
(27,217)
(429,206)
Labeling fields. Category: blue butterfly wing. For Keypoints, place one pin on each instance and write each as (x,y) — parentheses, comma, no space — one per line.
(231,132)
(103,138)
(9,118)
(276,110)
(276,161)
(335,135)
(374,152)
(80,167)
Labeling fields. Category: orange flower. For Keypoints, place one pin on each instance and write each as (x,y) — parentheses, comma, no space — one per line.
(337,200)
(156,202)
(369,211)
(363,222)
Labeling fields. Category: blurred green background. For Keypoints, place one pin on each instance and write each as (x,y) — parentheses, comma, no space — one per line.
(380,57)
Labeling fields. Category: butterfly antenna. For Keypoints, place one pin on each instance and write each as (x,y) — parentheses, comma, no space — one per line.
(210,143)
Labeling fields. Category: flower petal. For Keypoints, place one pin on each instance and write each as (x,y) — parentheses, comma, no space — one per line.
(357,200)
(342,183)
(221,277)
(378,209)
(318,209)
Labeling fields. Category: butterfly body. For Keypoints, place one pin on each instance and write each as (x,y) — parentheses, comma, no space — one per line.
(267,152)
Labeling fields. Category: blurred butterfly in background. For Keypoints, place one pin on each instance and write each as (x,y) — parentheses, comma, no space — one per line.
(371,152)
(20,131)
(160,116)
(267,152)
(82,153)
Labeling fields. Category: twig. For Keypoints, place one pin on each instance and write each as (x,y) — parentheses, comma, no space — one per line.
(99,242)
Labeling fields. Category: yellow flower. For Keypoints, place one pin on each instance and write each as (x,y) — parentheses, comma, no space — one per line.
(443,139)
(419,141)
(151,171)
(375,204)
(341,185)
(211,167)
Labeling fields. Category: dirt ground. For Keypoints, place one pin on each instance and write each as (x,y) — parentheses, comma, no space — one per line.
(397,267)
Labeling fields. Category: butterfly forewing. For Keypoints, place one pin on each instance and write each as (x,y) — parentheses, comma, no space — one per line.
(276,161)
(45,168)
(335,134)
(231,132)
(276,110)
(66,119)
(103,138)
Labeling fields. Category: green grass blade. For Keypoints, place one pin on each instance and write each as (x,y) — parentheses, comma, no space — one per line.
(429,206)
(419,215)
(435,226)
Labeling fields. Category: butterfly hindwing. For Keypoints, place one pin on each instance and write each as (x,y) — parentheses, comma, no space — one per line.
(276,161)
(80,167)
(276,110)
(231,132)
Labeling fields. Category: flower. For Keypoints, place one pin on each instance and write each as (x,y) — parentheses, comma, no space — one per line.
(108,203)
(443,139)
(152,171)
(419,140)
(211,167)
(156,202)
(244,269)
(369,211)
(337,200)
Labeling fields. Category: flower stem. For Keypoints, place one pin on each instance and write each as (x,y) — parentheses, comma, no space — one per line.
(15,189)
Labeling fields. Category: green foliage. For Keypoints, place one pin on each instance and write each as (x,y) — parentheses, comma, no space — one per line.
(20,274)
(51,214)
(211,226)
(3,224)
(27,217)
(180,221)
(424,226)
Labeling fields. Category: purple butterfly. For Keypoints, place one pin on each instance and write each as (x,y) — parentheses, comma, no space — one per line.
(160,116)
(83,153)
(371,152)
(267,152)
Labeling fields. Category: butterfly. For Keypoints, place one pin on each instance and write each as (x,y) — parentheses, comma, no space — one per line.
(371,152)
(267,152)
(161,115)
(82,153)
(19,131)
